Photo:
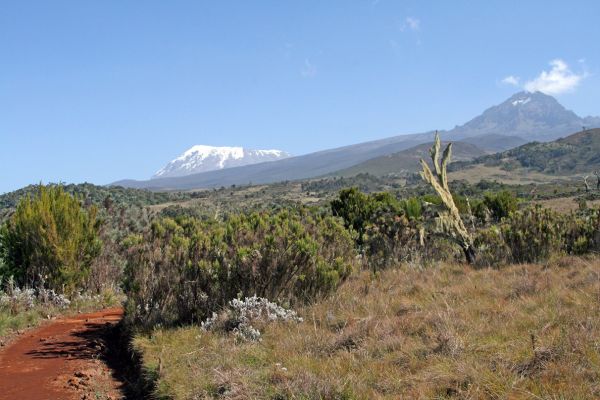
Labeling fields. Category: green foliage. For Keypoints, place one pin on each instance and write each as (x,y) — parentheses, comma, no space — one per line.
(492,250)
(413,208)
(50,240)
(501,204)
(358,209)
(355,208)
(534,234)
(581,232)
(184,269)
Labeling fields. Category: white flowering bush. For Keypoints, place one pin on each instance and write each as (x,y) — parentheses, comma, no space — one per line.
(241,315)
(18,299)
(50,297)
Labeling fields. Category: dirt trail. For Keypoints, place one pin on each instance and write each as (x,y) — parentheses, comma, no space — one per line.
(62,360)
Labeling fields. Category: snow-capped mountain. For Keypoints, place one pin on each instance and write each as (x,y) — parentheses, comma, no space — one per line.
(202,158)
(524,117)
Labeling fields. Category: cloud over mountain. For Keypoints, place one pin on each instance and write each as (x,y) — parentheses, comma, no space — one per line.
(558,80)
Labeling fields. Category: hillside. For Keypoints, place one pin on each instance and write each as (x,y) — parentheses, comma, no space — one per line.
(521,118)
(408,160)
(300,167)
(494,143)
(576,154)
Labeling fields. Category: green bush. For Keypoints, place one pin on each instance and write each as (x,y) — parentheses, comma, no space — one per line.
(534,234)
(185,269)
(356,209)
(50,240)
(360,210)
(492,250)
(501,204)
(581,232)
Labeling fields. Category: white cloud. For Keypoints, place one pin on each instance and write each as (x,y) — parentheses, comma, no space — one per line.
(559,79)
(511,80)
(411,23)
(308,70)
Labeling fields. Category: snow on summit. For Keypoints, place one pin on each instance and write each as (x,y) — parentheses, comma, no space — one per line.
(201,158)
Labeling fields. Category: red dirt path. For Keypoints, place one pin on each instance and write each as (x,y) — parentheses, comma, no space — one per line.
(61,360)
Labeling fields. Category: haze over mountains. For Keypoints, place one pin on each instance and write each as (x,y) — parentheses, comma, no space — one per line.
(522,118)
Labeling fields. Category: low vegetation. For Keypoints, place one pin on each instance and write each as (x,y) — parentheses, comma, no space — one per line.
(183,270)
(317,290)
(451,331)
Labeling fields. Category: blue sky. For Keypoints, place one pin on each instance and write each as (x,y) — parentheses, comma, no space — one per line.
(102,90)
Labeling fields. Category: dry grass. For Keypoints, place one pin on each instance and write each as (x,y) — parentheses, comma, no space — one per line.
(519,176)
(566,204)
(522,332)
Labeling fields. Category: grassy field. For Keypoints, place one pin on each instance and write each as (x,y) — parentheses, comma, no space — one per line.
(521,332)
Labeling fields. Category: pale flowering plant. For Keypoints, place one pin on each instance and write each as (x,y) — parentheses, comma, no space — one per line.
(241,316)
(23,299)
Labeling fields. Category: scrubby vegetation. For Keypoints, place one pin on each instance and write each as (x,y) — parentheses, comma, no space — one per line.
(522,332)
(333,288)
(577,153)
(183,270)
(54,256)
(50,241)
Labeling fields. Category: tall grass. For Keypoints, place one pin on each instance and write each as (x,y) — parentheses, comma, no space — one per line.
(525,332)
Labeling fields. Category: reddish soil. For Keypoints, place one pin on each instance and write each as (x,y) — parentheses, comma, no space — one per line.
(62,360)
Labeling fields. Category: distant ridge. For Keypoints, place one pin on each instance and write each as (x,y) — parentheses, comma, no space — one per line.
(521,118)
(408,160)
(578,153)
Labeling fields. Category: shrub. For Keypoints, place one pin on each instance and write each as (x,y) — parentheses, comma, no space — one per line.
(242,317)
(391,238)
(185,269)
(50,241)
(491,248)
(501,204)
(581,232)
(534,234)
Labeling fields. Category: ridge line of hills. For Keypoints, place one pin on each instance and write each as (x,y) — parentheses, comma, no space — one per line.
(522,118)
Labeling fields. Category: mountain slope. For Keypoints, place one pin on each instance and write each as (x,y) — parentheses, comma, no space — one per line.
(521,118)
(408,160)
(531,116)
(300,167)
(494,143)
(202,158)
(576,154)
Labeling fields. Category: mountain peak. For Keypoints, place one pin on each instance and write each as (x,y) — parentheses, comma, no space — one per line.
(529,115)
(203,158)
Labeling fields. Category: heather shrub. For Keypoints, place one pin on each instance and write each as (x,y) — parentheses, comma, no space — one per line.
(581,232)
(534,234)
(50,241)
(182,270)
(392,238)
(492,250)
(501,204)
